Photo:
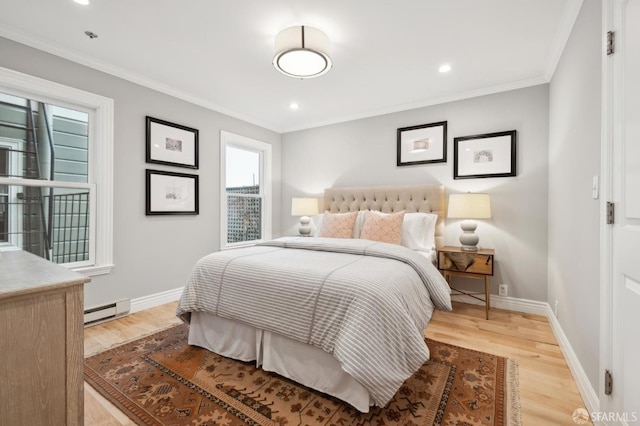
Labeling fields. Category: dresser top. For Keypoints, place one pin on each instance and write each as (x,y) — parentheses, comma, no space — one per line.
(23,273)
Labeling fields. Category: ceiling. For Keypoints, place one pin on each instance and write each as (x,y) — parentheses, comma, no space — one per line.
(386,54)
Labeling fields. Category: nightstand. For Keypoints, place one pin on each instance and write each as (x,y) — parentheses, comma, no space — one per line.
(455,262)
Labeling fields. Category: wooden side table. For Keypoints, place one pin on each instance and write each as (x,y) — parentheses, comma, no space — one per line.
(455,262)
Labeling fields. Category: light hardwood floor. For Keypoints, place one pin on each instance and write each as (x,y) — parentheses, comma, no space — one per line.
(548,393)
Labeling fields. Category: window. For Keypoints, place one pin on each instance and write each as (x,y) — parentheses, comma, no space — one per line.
(56,172)
(246,190)
(4,195)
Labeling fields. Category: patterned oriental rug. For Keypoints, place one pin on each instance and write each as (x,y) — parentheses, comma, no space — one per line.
(161,380)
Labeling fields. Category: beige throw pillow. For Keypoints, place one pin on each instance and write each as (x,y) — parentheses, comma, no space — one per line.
(386,229)
(337,225)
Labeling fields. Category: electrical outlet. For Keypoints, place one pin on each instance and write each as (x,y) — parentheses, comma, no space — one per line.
(555,309)
(502,290)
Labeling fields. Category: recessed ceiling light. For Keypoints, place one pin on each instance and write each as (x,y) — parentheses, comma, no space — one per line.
(294,105)
(444,68)
(82,2)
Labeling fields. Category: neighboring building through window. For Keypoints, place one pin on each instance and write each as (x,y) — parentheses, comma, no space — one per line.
(50,142)
(246,184)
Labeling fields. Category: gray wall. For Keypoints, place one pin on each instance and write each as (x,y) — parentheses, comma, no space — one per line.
(574,158)
(151,254)
(363,153)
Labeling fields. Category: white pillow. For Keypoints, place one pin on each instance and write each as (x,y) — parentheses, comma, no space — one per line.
(418,230)
(357,230)
(316,224)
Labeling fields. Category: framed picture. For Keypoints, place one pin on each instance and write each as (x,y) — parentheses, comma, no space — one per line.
(171,193)
(423,144)
(481,156)
(171,144)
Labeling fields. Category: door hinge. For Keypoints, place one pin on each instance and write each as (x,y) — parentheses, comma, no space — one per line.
(608,382)
(611,42)
(610,212)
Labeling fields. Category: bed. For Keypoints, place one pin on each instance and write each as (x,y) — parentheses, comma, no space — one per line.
(342,316)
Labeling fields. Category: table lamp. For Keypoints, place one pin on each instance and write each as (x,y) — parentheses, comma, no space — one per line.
(304,207)
(468,207)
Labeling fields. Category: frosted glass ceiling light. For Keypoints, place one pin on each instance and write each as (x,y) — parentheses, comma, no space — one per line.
(302,52)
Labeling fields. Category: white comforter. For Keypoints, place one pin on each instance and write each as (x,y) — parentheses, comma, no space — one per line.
(364,302)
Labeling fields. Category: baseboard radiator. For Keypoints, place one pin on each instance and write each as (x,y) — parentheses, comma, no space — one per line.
(106,312)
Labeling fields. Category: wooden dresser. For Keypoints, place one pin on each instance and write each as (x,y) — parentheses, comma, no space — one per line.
(41,342)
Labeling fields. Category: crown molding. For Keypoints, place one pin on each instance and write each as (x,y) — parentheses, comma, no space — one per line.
(562,36)
(36,43)
(520,84)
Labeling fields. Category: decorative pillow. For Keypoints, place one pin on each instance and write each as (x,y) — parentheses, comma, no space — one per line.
(386,229)
(337,225)
(418,230)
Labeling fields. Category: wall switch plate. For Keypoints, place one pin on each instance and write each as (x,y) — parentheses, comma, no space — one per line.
(502,290)
(595,187)
(555,309)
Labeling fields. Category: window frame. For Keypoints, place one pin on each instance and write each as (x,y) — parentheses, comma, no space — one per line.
(265,151)
(14,211)
(101,140)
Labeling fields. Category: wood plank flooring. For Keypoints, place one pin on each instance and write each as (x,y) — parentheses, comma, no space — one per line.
(548,393)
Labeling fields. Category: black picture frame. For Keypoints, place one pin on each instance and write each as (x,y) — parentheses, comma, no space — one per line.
(171,144)
(433,136)
(170,193)
(484,156)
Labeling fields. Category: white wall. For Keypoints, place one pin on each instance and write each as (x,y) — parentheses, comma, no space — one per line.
(363,153)
(152,254)
(574,158)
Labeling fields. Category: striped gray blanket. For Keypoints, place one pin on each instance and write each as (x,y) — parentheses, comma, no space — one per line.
(364,302)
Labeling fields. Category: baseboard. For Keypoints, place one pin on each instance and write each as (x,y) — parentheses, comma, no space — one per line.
(588,393)
(157,299)
(509,303)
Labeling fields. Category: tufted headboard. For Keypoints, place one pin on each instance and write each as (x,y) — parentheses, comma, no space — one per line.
(389,199)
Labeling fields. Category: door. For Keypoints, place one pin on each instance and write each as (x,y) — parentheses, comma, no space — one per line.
(624,170)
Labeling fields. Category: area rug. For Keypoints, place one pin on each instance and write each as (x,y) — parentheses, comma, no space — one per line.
(161,380)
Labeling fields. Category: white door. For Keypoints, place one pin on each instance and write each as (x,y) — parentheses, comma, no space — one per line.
(625,233)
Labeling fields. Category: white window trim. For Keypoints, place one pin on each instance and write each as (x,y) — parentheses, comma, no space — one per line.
(100,110)
(15,216)
(232,139)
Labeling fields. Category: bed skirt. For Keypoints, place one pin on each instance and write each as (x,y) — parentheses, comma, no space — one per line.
(305,364)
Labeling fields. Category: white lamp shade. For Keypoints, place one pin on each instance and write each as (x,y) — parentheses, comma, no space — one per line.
(302,52)
(304,206)
(469,206)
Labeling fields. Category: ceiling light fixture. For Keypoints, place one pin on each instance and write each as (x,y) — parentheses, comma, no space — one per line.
(445,68)
(82,2)
(294,105)
(302,52)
